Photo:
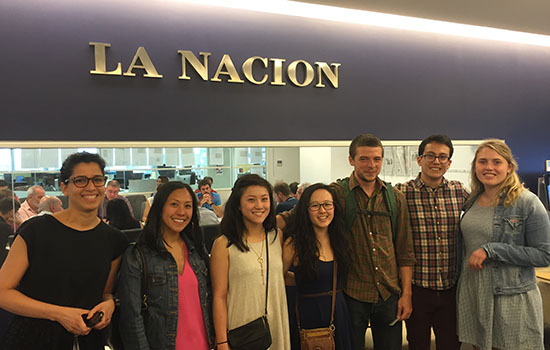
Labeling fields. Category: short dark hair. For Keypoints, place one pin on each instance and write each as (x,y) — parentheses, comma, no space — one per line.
(9,203)
(163,179)
(232,224)
(437,138)
(282,187)
(5,192)
(119,216)
(204,182)
(76,158)
(368,140)
(3,183)
(293,187)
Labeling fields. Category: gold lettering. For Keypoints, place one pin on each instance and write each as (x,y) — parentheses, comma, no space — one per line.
(146,63)
(100,61)
(277,71)
(230,71)
(200,68)
(247,69)
(332,76)
(310,74)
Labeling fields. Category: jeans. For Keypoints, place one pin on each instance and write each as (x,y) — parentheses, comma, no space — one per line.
(379,315)
(437,309)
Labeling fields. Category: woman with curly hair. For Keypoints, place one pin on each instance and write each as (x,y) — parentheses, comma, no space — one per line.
(317,240)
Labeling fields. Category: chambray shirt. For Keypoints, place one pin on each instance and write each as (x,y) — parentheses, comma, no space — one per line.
(374,273)
(435,219)
(521,242)
(156,327)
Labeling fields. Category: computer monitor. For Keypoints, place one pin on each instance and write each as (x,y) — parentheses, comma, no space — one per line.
(170,173)
(543,190)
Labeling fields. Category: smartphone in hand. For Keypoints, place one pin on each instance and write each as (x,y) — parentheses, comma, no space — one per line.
(94,320)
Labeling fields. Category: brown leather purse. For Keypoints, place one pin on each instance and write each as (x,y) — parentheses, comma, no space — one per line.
(319,338)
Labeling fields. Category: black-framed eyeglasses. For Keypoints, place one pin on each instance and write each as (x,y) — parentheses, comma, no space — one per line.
(83,181)
(443,158)
(317,206)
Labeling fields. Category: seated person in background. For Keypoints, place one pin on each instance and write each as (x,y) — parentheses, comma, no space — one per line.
(293,188)
(208,199)
(8,208)
(284,197)
(30,207)
(49,205)
(210,181)
(113,187)
(207,217)
(119,216)
(300,189)
(6,192)
(149,202)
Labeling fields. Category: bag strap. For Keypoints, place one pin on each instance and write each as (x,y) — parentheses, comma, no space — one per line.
(267,270)
(388,193)
(334,280)
(351,204)
(144,304)
(391,203)
(333,293)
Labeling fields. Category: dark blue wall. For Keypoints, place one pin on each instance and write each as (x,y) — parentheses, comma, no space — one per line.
(393,83)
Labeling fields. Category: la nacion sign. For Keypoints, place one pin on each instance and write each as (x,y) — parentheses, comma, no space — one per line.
(255,69)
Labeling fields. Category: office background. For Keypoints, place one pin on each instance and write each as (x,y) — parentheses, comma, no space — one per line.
(399,85)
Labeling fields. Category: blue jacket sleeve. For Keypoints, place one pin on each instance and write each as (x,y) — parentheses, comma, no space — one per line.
(534,247)
(132,329)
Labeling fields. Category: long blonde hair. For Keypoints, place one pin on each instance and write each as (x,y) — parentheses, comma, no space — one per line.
(511,186)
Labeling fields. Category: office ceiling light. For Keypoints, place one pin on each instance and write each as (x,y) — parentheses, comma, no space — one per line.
(338,14)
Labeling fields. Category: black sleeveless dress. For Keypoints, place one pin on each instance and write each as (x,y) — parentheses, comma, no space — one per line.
(315,311)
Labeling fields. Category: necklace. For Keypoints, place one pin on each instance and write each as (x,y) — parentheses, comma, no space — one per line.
(260,258)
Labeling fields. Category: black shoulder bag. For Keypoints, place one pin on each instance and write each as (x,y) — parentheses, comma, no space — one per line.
(254,335)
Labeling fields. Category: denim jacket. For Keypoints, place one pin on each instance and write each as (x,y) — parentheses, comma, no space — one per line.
(521,242)
(156,327)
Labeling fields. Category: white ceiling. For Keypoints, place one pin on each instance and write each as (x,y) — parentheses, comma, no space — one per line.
(532,16)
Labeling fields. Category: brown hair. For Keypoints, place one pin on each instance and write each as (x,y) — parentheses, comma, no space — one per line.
(368,140)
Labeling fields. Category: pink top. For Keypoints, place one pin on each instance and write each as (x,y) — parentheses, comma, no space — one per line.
(191,334)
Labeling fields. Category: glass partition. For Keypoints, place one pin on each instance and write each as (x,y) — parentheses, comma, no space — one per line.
(136,169)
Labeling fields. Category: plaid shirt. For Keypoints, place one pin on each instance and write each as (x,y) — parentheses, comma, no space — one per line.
(376,265)
(435,218)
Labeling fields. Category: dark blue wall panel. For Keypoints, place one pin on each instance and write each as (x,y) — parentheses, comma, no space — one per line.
(393,83)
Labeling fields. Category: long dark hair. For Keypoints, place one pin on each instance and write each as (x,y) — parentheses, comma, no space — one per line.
(232,224)
(118,215)
(301,230)
(151,235)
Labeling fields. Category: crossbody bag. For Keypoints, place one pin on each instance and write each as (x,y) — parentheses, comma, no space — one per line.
(254,335)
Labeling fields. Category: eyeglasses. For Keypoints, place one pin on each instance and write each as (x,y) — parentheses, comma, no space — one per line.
(83,181)
(443,158)
(317,206)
